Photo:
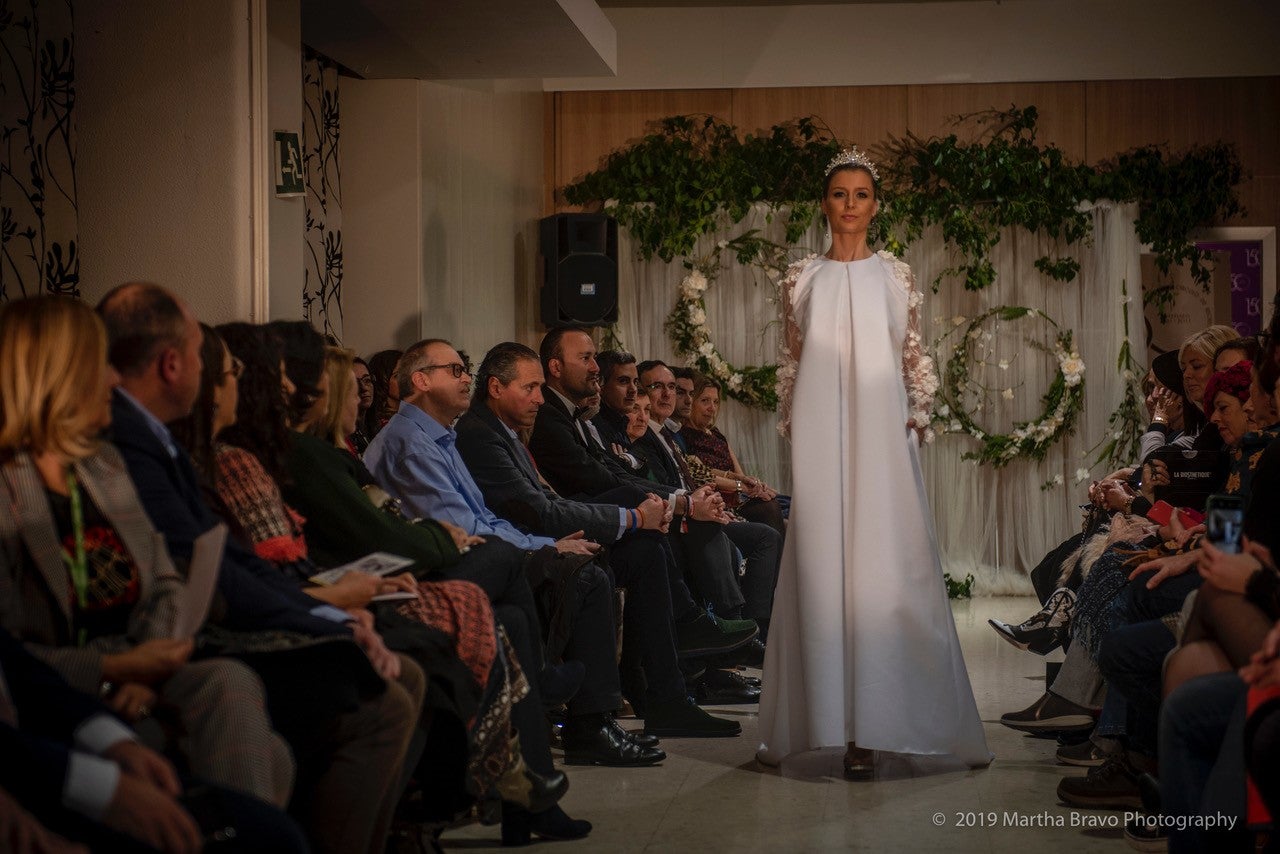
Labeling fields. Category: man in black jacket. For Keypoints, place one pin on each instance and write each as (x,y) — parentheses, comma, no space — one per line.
(508,396)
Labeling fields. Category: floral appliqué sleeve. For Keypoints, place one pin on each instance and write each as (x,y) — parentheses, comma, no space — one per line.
(918,372)
(789,345)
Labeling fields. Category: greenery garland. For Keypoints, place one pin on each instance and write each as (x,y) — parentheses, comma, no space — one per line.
(1030,439)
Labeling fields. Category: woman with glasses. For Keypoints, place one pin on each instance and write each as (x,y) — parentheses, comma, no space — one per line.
(358,438)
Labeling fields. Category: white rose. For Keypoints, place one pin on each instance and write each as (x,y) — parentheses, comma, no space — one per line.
(735,382)
(1082,475)
(1007,394)
(706,350)
(697,316)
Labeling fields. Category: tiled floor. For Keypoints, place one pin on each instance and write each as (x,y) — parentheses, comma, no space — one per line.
(711,795)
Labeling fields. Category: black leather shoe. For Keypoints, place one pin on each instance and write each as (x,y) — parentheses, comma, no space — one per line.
(683,719)
(526,788)
(725,687)
(559,682)
(598,740)
(518,826)
(749,655)
(641,737)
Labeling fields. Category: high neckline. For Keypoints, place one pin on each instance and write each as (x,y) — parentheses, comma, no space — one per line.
(854,261)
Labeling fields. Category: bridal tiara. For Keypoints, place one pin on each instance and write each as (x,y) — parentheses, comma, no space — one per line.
(853,156)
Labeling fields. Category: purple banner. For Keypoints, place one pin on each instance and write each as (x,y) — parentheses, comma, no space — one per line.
(1246,282)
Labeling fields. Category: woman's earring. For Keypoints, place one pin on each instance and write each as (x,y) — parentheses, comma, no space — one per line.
(826,234)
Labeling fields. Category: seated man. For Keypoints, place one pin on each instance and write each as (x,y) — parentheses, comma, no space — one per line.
(358,751)
(506,400)
(761,545)
(72,766)
(415,459)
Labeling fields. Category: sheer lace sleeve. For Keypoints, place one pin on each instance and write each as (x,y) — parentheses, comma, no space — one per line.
(918,372)
(790,343)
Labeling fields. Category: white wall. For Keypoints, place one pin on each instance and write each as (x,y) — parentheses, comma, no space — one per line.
(286,217)
(163,159)
(965,42)
(442,189)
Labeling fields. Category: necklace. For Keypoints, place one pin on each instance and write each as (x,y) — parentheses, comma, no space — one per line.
(77,563)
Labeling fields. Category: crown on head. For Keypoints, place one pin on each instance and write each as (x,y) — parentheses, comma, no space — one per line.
(853,156)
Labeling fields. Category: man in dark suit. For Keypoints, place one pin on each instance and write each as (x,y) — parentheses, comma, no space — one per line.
(507,398)
(154,343)
(76,768)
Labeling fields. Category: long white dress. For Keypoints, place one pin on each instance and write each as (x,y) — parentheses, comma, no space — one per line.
(862,644)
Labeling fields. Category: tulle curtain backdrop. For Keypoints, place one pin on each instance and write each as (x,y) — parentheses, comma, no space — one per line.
(995,524)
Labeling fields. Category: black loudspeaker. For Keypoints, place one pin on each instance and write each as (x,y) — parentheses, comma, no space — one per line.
(580,255)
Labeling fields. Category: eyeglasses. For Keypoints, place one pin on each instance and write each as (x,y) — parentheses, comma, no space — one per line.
(657,386)
(455,368)
(237,368)
(365,380)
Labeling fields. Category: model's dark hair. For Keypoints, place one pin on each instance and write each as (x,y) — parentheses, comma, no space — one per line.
(499,362)
(685,373)
(608,360)
(303,360)
(195,432)
(262,417)
(142,319)
(551,347)
(381,366)
(1248,346)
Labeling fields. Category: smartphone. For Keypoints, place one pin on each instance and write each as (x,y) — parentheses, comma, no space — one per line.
(1224,522)
(1161,512)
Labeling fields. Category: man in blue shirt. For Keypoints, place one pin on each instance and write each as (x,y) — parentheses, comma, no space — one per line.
(416,459)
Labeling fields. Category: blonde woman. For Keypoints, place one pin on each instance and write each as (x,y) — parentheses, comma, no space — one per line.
(85,581)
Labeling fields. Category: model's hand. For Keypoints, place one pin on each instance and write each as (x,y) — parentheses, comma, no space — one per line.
(461,539)
(1230,572)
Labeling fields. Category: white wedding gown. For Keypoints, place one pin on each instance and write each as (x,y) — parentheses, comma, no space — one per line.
(862,645)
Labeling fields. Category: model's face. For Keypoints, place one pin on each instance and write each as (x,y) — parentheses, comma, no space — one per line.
(661,385)
(226,395)
(579,373)
(364,385)
(1196,370)
(517,403)
(619,392)
(1229,416)
(684,399)
(850,202)
(705,409)
(638,418)
(351,407)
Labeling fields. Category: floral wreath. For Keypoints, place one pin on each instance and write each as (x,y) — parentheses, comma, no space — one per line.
(754,385)
(1028,439)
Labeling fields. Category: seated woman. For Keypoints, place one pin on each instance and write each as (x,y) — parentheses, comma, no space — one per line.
(749,497)
(85,581)
(347,517)
(386,397)
(248,470)
(358,440)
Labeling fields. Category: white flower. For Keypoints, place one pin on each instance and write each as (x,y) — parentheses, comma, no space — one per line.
(696,281)
(706,350)
(1126,375)
(1126,299)
(1003,364)
(958,320)
(986,336)
(1072,367)
(735,382)
(697,316)
(955,427)
(1082,475)
(722,244)
(1007,394)
(1116,436)
(1057,480)
(944,411)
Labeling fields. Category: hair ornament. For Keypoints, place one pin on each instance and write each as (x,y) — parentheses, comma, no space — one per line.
(853,156)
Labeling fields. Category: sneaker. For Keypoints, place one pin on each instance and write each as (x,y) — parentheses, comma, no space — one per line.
(705,635)
(1112,785)
(1146,834)
(1050,713)
(1086,754)
(1045,630)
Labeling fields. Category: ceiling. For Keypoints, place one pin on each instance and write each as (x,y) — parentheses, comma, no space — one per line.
(462,39)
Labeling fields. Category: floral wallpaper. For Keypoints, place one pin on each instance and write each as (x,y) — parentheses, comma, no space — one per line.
(322,284)
(38,220)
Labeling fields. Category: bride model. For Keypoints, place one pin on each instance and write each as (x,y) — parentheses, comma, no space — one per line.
(862,650)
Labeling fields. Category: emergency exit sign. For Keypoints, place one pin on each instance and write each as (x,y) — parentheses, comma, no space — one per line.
(288,164)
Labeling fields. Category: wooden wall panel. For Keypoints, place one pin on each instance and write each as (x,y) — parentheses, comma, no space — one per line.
(1090,121)
(1061,108)
(589,125)
(865,115)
